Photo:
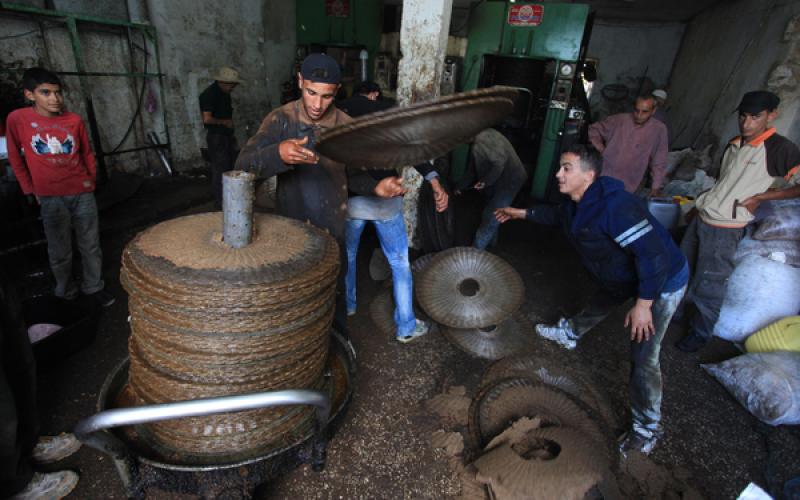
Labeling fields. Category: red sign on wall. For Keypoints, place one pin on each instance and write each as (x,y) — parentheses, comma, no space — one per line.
(337,8)
(525,15)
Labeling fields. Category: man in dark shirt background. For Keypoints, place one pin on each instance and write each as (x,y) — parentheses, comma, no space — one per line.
(366,99)
(215,104)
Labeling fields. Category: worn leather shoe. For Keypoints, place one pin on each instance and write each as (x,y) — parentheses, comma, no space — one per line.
(51,485)
(51,449)
(691,343)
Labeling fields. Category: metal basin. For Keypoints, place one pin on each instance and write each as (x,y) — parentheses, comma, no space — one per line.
(140,467)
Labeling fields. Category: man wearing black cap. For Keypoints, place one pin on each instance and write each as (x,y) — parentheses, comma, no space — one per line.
(310,187)
(751,164)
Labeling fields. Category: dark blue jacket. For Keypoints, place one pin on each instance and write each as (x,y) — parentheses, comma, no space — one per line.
(621,244)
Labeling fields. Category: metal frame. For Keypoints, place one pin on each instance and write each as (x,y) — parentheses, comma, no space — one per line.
(72,22)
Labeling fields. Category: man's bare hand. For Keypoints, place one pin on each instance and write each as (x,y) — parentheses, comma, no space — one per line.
(751,204)
(508,213)
(439,195)
(390,187)
(640,319)
(292,152)
(227,122)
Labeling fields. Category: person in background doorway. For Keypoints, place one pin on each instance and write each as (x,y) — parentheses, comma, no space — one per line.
(495,170)
(366,99)
(631,143)
(217,112)
(49,150)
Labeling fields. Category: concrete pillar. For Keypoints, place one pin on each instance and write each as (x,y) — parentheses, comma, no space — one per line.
(423,43)
(424,30)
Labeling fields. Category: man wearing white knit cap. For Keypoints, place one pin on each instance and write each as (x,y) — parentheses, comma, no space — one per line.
(661,109)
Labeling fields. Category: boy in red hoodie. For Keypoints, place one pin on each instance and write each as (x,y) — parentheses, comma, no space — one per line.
(58,169)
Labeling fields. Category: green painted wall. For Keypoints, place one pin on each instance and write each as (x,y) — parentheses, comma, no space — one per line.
(362,27)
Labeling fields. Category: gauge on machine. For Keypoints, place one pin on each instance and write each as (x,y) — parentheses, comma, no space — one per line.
(566,70)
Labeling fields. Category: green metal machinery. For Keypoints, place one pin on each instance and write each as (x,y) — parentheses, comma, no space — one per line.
(535,47)
(342,28)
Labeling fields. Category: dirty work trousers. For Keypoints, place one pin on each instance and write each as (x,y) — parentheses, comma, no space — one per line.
(709,251)
(60,216)
(487,231)
(646,387)
(222,155)
(19,423)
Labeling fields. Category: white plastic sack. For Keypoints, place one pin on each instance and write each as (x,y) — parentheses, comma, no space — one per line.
(766,383)
(778,220)
(770,249)
(760,292)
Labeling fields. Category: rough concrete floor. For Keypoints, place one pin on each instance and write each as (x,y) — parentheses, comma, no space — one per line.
(382,449)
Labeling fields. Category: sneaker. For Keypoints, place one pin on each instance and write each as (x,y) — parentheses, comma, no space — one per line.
(633,441)
(420,329)
(691,342)
(50,485)
(560,333)
(51,449)
(351,312)
(102,297)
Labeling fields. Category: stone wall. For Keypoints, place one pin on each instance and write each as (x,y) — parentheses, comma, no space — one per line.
(194,39)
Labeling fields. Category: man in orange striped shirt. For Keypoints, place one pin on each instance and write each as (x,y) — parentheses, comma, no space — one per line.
(752,165)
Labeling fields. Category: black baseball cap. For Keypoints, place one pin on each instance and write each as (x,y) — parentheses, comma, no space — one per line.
(320,68)
(757,101)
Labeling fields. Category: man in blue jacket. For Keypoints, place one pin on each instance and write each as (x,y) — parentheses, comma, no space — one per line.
(632,256)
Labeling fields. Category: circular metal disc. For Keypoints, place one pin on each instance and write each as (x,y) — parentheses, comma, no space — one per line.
(421,263)
(545,463)
(556,374)
(407,136)
(512,336)
(508,400)
(465,287)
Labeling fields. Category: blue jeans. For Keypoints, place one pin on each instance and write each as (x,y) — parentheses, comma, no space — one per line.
(487,231)
(60,215)
(394,242)
(646,387)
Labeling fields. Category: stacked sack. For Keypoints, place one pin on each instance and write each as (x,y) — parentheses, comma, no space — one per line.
(760,310)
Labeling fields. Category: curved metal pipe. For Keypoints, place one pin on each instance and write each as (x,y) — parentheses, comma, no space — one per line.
(88,430)
(201,407)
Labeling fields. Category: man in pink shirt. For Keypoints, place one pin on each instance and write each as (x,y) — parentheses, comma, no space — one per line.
(630,142)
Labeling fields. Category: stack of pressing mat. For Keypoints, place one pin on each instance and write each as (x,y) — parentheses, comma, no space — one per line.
(475,296)
(211,320)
